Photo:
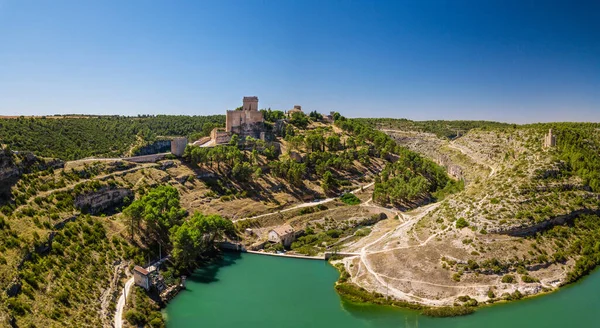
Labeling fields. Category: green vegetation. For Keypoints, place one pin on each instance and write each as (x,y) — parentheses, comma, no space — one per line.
(143,311)
(461,223)
(159,211)
(350,199)
(196,236)
(72,138)
(409,178)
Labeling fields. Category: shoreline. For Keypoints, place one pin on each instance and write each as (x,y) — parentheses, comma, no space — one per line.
(357,295)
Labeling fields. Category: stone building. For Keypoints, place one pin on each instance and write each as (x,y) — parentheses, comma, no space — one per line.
(283,234)
(246,122)
(141,277)
(549,139)
(178,146)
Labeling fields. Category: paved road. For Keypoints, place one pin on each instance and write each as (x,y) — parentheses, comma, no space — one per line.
(121,304)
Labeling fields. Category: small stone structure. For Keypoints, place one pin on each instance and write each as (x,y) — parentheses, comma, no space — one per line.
(141,277)
(220,136)
(283,234)
(549,140)
(329,117)
(296,109)
(178,146)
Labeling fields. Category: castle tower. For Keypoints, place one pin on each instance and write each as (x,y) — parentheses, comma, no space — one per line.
(250,103)
(178,146)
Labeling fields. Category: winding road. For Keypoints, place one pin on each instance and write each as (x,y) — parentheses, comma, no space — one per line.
(121,303)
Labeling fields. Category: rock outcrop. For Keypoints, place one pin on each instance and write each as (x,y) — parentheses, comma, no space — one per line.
(97,201)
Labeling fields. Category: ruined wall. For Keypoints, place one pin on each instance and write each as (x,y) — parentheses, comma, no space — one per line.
(220,136)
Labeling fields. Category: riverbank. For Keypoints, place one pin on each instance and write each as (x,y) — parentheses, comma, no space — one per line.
(301,293)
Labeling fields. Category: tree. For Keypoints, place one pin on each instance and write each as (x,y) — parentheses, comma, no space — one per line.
(333,143)
(315,116)
(159,209)
(299,120)
(197,235)
(328,182)
(235,140)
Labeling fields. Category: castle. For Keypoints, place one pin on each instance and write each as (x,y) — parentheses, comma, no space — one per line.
(247,122)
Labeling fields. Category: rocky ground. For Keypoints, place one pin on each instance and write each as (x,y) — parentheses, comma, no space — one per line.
(428,257)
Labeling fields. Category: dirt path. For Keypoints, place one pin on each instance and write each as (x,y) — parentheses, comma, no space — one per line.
(309,204)
(108,292)
(121,303)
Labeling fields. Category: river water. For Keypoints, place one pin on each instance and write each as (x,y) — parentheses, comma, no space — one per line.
(248,290)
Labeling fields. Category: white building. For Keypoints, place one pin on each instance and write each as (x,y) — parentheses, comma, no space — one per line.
(283,234)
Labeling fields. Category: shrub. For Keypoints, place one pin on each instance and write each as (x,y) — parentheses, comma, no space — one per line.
(461,223)
(508,279)
(350,199)
(134,317)
(529,279)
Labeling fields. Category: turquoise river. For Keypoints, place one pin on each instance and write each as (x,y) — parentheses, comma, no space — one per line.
(247,290)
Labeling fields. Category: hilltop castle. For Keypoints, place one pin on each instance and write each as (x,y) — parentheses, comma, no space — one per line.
(245,122)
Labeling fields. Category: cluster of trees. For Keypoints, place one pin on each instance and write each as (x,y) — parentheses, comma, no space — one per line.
(159,210)
(72,138)
(240,159)
(165,221)
(299,120)
(409,177)
(272,115)
(197,235)
(579,147)
(412,177)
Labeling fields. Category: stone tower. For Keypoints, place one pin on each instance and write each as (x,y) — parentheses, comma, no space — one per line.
(250,103)
(178,146)
(549,139)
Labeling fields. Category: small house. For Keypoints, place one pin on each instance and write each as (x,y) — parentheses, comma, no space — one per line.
(283,234)
(141,277)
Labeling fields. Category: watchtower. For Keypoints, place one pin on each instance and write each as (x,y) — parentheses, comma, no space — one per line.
(250,103)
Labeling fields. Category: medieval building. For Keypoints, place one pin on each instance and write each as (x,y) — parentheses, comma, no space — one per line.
(246,122)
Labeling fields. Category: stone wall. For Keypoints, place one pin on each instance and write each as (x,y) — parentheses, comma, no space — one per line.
(219,136)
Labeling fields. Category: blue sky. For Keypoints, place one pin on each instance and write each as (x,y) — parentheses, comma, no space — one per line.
(512,61)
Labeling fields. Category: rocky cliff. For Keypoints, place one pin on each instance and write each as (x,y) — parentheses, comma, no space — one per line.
(97,201)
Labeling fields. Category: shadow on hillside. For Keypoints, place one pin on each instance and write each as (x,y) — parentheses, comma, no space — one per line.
(208,271)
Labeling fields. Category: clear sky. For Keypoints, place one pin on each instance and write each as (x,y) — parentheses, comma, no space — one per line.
(513,61)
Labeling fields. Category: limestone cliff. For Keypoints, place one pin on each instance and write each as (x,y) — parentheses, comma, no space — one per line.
(97,201)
